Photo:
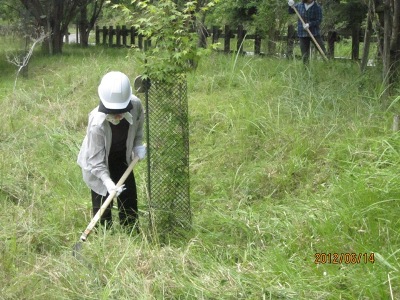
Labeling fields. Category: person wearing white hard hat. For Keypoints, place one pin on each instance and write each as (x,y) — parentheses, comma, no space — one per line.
(311,13)
(114,136)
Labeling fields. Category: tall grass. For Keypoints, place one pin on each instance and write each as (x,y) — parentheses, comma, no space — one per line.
(285,162)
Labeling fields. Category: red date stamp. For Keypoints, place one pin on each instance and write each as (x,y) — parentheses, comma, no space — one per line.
(344,258)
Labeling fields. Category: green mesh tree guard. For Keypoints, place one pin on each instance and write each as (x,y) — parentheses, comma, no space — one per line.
(168,156)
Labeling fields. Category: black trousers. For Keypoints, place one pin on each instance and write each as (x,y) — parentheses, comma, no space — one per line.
(127,200)
(305,43)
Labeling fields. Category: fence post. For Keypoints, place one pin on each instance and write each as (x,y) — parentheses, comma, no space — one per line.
(118,35)
(215,34)
(290,41)
(133,34)
(227,39)
(240,38)
(257,42)
(355,37)
(97,34)
(331,43)
(110,36)
(140,41)
(124,34)
(147,44)
(105,31)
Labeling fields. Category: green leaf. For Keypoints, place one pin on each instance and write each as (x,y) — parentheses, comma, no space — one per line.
(169,28)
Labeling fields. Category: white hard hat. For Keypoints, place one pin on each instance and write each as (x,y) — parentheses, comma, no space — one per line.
(115,90)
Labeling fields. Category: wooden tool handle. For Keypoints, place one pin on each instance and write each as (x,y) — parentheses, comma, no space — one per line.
(103,207)
(309,32)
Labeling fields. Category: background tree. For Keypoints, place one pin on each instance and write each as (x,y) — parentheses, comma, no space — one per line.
(9,11)
(233,13)
(344,17)
(270,21)
(89,12)
(385,21)
(367,37)
(200,20)
(391,46)
(266,18)
(54,16)
(174,49)
(354,13)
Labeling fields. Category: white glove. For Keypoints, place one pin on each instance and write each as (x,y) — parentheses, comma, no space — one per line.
(111,187)
(306,26)
(290,3)
(139,151)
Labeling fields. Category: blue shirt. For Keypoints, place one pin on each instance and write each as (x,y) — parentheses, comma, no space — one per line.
(312,16)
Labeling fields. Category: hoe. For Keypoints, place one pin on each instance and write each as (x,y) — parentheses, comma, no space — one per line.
(310,34)
(97,216)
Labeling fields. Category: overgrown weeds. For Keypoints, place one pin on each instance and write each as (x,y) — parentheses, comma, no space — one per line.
(286,163)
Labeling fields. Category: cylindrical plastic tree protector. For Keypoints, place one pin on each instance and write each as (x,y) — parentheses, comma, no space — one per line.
(168,156)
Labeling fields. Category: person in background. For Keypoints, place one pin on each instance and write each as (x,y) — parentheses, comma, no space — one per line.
(311,13)
(113,137)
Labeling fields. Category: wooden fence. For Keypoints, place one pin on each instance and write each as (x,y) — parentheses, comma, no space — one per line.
(118,36)
(122,36)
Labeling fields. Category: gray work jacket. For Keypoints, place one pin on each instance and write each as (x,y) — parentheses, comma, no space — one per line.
(93,155)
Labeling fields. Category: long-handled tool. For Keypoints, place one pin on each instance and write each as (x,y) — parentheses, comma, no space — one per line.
(78,246)
(309,32)
(103,207)
(97,216)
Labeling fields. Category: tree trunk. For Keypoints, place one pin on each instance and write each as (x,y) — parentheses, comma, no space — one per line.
(83,27)
(367,39)
(54,20)
(379,12)
(395,43)
(386,47)
(86,25)
(201,32)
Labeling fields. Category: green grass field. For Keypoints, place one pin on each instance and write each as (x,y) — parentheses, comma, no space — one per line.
(288,167)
